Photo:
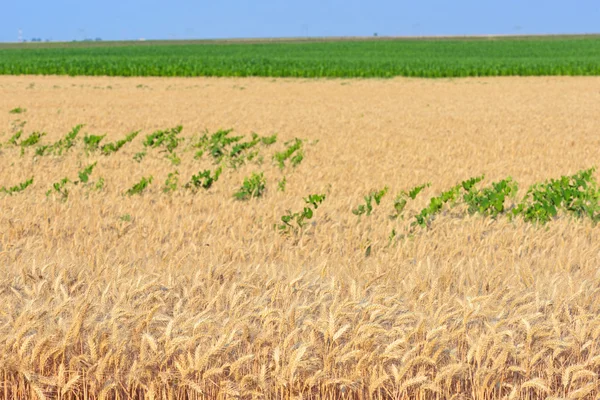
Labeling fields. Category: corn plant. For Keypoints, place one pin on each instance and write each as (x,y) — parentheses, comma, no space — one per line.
(17,110)
(239,147)
(490,201)
(367,208)
(138,157)
(91,143)
(17,188)
(139,187)
(32,139)
(402,199)
(204,179)
(60,188)
(171,182)
(174,158)
(63,145)
(99,184)
(428,58)
(269,140)
(217,144)
(111,148)
(167,138)
(293,152)
(296,221)
(436,204)
(281,184)
(577,195)
(84,174)
(68,141)
(253,186)
(14,139)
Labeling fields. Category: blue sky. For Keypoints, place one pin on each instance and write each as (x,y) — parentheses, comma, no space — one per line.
(187,19)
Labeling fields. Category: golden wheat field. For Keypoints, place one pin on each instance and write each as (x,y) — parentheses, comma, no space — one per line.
(196,295)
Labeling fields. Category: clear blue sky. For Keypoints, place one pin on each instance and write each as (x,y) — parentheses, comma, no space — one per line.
(189,19)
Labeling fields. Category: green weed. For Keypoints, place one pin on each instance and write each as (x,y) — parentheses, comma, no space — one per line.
(63,145)
(402,199)
(281,184)
(17,188)
(17,110)
(60,189)
(367,208)
(138,157)
(577,195)
(296,221)
(92,142)
(14,139)
(139,187)
(204,179)
(110,148)
(32,139)
(171,182)
(253,186)
(437,203)
(293,150)
(84,174)
(490,201)
(167,138)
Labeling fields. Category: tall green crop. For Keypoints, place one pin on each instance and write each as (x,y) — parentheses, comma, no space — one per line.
(430,58)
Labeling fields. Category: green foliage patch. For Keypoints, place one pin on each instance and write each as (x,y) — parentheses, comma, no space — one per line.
(296,221)
(17,188)
(367,208)
(253,186)
(430,58)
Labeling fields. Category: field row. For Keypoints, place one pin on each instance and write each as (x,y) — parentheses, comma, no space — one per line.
(412,58)
(577,195)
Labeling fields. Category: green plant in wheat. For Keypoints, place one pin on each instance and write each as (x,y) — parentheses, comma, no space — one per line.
(14,139)
(436,204)
(138,157)
(174,158)
(17,129)
(216,144)
(282,184)
(171,182)
(490,201)
(99,184)
(402,199)
(367,208)
(17,110)
(576,195)
(168,139)
(240,152)
(60,188)
(61,146)
(204,179)
(84,174)
(253,186)
(140,186)
(294,152)
(17,188)
(113,147)
(293,222)
(32,139)
(68,142)
(91,143)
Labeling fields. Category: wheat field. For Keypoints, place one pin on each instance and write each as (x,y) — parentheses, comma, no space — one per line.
(189,295)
